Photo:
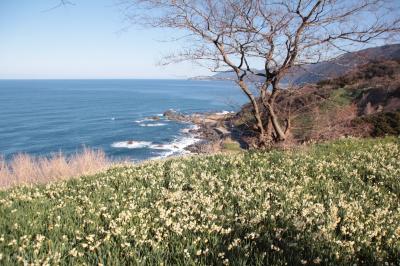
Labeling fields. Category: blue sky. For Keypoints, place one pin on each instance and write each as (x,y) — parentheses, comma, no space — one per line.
(85,40)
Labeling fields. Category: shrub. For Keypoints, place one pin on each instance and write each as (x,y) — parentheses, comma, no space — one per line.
(25,169)
(387,123)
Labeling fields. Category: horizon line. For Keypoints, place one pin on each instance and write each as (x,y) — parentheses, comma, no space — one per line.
(100,78)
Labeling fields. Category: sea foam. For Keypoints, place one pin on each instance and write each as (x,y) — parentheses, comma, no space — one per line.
(225,112)
(176,147)
(188,129)
(131,144)
(152,124)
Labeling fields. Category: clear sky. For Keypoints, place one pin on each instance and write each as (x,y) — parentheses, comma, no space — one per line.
(89,39)
(84,40)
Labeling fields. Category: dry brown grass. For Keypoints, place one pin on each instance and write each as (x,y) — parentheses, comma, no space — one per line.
(24,169)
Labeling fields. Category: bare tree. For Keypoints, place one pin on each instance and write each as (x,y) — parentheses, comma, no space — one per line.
(243,35)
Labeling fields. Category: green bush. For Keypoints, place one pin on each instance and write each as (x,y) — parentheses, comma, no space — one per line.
(384,123)
(230,145)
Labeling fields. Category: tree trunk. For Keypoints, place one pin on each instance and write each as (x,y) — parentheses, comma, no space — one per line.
(280,134)
(256,112)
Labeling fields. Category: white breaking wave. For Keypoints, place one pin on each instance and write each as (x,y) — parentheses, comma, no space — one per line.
(188,129)
(225,112)
(131,144)
(143,120)
(153,125)
(177,147)
(148,119)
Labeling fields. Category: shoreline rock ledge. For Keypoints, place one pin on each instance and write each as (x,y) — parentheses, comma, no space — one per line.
(176,116)
(212,129)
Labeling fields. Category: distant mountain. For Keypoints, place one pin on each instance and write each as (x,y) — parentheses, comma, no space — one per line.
(316,72)
(224,75)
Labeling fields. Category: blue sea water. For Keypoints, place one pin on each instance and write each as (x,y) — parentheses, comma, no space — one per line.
(41,117)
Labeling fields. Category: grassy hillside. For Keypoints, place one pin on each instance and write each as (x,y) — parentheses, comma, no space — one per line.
(335,203)
(364,102)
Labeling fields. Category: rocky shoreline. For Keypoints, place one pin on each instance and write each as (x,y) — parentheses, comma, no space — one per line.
(213,129)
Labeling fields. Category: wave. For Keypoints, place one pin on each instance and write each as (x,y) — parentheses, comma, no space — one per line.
(131,144)
(151,118)
(143,120)
(188,129)
(152,125)
(225,112)
(176,147)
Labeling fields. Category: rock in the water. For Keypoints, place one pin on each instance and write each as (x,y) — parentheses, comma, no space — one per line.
(173,115)
(154,118)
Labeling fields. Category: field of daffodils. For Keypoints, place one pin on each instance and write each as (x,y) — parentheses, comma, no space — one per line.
(328,204)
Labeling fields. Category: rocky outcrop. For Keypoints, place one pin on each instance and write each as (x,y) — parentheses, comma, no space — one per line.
(202,119)
(174,115)
(212,128)
(154,118)
(222,131)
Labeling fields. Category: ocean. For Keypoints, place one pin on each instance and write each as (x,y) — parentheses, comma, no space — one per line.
(42,117)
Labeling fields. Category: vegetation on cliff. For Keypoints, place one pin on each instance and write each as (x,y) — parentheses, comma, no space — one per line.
(365,102)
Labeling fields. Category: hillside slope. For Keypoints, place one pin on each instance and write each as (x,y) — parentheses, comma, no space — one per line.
(332,204)
(341,65)
(364,102)
(325,70)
